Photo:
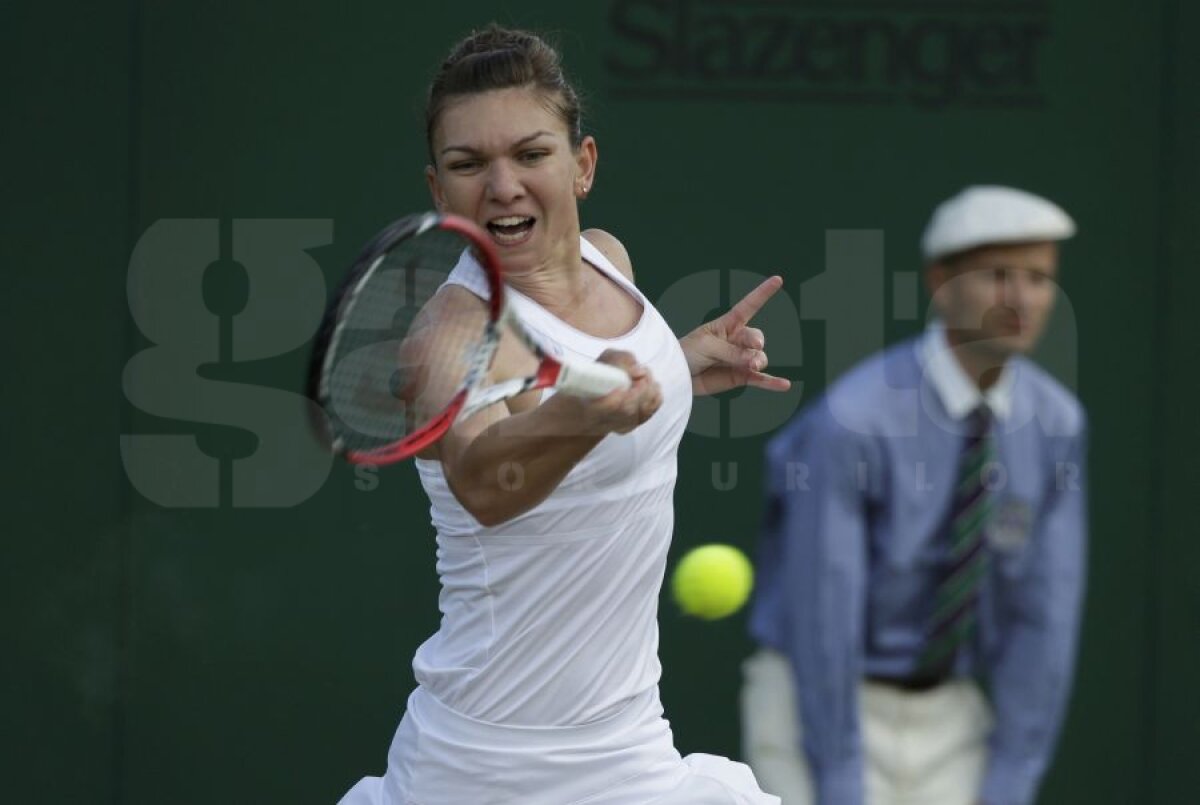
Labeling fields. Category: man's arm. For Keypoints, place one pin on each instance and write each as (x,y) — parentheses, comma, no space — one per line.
(824,538)
(1031,681)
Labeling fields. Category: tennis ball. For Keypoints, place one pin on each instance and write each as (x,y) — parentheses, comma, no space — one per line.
(712,581)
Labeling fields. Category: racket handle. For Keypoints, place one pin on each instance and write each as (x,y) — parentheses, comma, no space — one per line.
(591,379)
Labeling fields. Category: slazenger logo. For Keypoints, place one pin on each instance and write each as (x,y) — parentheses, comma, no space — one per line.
(933,53)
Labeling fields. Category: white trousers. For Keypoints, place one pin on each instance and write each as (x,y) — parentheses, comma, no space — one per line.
(442,757)
(927,748)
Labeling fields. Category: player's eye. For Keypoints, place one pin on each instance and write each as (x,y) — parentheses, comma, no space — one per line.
(533,156)
(464,165)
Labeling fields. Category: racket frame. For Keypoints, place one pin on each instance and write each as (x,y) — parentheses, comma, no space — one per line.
(472,397)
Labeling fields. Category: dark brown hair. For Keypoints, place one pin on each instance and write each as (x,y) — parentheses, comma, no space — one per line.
(500,58)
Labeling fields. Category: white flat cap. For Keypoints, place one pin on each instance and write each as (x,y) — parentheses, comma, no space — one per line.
(991,214)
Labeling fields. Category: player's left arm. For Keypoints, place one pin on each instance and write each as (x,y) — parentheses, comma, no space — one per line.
(1039,617)
(722,354)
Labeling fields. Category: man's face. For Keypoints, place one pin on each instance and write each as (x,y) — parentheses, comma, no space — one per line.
(996,300)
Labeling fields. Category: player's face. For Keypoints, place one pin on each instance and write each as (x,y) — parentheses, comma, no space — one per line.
(996,300)
(504,160)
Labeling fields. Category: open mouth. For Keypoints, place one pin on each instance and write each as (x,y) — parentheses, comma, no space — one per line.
(511,229)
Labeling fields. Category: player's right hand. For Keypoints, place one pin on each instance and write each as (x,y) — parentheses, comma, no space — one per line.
(623,410)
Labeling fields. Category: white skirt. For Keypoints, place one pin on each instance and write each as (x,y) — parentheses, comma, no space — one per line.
(441,757)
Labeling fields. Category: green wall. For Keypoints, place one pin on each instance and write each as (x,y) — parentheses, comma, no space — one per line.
(66,235)
(228,617)
(1173,708)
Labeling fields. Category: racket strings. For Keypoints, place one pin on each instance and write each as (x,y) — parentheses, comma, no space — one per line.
(380,385)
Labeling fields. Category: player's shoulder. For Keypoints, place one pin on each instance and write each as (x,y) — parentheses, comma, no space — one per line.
(1056,406)
(459,297)
(612,249)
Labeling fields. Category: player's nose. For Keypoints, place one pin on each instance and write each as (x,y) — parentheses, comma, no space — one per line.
(503,184)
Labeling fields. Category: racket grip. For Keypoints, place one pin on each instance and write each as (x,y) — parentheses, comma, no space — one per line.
(591,379)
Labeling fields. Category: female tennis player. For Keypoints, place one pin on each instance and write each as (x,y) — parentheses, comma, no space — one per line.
(553,511)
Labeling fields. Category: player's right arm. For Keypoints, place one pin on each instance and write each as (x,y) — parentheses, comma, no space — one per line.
(507,458)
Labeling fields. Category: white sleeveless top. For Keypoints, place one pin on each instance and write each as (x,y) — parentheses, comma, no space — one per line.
(551,618)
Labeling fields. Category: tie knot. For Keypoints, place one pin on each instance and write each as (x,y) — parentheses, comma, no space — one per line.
(979,421)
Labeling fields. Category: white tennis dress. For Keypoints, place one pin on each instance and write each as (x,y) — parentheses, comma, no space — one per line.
(541,685)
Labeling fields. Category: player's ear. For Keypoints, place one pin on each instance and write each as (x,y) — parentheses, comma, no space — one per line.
(435,188)
(585,166)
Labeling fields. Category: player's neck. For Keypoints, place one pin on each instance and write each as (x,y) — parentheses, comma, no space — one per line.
(583,297)
(558,284)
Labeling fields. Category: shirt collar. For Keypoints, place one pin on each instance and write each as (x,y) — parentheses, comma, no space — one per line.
(956,390)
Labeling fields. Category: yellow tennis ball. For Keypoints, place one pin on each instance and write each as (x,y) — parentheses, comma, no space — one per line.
(712,581)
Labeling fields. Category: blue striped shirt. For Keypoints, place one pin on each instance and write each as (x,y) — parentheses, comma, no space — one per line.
(859,487)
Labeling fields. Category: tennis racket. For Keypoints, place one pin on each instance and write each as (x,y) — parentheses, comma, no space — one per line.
(394,366)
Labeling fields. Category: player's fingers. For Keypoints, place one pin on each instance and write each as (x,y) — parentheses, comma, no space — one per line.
(720,351)
(742,359)
(635,405)
(650,401)
(623,360)
(752,302)
(769,382)
(628,413)
(738,353)
(750,338)
(755,360)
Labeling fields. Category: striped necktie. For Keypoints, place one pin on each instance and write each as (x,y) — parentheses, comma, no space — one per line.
(955,612)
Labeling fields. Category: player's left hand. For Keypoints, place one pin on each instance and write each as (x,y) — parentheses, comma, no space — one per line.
(726,353)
